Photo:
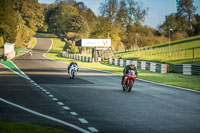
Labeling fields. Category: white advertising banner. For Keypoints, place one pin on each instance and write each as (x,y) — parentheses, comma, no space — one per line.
(8,48)
(96,42)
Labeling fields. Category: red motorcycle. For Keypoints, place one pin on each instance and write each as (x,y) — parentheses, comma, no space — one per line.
(129,80)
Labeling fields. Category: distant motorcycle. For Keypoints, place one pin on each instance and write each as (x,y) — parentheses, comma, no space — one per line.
(73,71)
(29,52)
(129,81)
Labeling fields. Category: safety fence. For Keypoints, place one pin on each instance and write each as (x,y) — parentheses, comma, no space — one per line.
(76,57)
(187,69)
(167,53)
(144,65)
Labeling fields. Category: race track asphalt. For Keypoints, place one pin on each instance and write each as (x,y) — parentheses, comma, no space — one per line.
(95,96)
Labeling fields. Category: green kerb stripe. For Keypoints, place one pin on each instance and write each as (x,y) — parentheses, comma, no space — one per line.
(10,65)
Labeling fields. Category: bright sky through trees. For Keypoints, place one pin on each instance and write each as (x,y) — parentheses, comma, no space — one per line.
(158,9)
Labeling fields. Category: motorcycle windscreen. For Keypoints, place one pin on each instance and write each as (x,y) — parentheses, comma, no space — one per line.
(132,72)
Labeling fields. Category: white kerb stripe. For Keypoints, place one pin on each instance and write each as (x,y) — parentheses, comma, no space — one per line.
(45,116)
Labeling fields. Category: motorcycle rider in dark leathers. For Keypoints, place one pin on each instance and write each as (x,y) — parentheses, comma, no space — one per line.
(72,63)
(126,70)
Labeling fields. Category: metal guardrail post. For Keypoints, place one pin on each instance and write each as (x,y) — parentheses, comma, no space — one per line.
(193,53)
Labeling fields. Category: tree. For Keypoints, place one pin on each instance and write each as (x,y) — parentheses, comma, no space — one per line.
(66,1)
(122,14)
(89,17)
(108,9)
(100,30)
(196,24)
(114,34)
(59,15)
(130,15)
(187,9)
(31,13)
(183,22)
(20,20)
(8,23)
(1,41)
(72,48)
(136,12)
(177,23)
(77,24)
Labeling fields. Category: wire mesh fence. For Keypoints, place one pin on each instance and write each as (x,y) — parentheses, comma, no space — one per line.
(169,53)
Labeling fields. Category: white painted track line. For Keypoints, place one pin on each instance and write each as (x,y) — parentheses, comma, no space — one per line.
(66,108)
(73,113)
(45,116)
(92,129)
(60,103)
(55,99)
(47,93)
(82,120)
(51,95)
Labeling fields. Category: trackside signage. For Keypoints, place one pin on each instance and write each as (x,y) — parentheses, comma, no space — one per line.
(94,43)
(8,48)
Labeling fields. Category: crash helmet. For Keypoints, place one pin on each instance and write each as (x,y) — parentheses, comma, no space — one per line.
(132,64)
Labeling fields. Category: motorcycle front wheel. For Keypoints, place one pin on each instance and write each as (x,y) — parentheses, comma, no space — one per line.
(124,87)
(72,75)
(129,86)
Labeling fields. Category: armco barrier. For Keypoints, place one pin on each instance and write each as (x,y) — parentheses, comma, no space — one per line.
(147,66)
(116,62)
(77,57)
(110,61)
(144,65)
(121,63)
(152,66)
(128,62)
(187,69)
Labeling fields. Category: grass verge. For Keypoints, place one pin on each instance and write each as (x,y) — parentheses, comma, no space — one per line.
(191,82)
(13,127)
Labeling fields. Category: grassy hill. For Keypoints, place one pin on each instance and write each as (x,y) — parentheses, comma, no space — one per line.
(189,42)
(185,51)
